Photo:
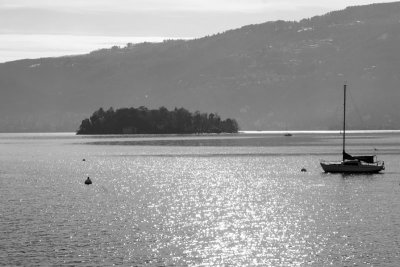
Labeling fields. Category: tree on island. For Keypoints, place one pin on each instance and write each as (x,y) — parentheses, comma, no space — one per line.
(156,121)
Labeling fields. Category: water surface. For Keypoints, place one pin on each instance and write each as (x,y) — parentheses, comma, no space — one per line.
(196,201)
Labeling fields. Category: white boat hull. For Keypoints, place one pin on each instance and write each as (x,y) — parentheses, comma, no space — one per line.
(352,167)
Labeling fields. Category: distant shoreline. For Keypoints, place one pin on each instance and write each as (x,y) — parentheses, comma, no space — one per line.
(319,132)
(253,132)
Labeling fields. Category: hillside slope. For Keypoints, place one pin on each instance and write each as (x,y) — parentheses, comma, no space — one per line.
(271,76)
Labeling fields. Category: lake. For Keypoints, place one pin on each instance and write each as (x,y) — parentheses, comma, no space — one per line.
(238,200)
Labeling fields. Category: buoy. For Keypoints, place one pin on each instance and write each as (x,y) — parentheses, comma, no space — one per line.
(303,170)
(84,160)
(88,181)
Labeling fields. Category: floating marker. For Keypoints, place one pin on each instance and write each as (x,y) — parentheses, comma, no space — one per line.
(88,181)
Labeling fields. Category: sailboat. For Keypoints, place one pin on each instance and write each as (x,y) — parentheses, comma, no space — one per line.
(349,163)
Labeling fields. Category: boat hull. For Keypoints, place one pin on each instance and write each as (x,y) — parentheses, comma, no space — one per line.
(342,167)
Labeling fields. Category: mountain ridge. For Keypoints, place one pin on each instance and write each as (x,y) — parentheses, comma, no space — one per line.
(271,76)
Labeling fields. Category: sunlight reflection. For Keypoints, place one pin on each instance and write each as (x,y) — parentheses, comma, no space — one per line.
(168,206)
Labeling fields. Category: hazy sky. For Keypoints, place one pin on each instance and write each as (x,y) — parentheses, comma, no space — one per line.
(41,28)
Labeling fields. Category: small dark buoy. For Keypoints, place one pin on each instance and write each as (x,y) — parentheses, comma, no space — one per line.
(84,160)
(88,181)
(303,170)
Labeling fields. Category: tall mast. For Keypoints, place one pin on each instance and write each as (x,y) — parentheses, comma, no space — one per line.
(344,120)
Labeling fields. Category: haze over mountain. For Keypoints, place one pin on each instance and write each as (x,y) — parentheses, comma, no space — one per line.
(272,76)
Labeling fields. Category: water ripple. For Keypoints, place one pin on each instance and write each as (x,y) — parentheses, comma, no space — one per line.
(194,210)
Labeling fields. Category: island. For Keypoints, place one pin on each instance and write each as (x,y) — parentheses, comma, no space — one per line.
(154,121)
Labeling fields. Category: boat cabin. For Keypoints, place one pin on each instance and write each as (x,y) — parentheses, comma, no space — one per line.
(351,162)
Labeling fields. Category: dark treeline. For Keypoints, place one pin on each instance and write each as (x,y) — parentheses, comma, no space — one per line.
(156,121)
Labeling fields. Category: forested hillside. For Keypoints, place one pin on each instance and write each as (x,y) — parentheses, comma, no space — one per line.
(272,76)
